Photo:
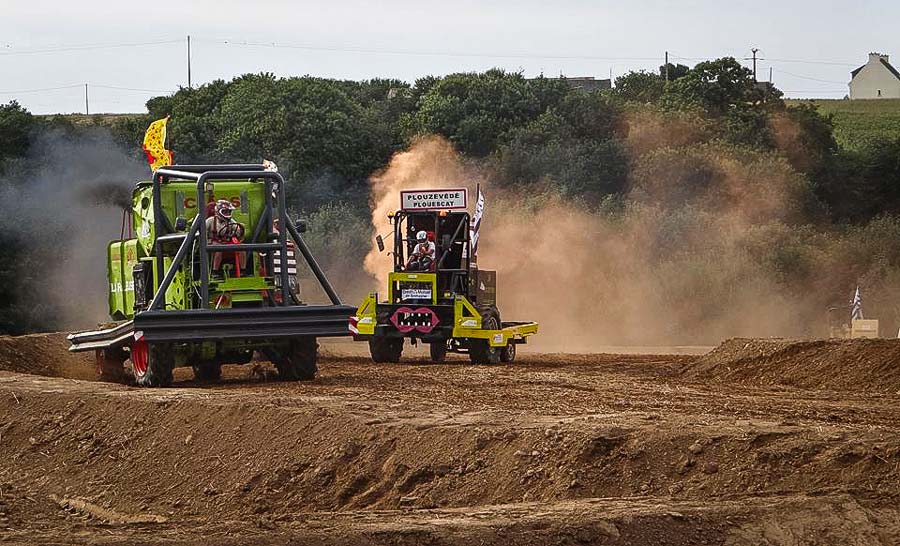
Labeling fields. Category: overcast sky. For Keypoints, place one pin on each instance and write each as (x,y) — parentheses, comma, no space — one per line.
(43,44)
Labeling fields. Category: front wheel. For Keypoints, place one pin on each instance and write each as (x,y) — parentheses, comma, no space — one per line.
(300,361)
(386,349)
(152,364)
(438,350)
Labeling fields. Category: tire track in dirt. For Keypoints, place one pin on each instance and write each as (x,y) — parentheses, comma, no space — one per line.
(597,448)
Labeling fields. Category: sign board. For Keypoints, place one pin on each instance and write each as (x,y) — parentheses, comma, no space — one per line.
(415,294)
(433,199)
(867,328)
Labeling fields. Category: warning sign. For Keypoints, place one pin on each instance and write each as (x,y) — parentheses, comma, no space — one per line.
(433,199)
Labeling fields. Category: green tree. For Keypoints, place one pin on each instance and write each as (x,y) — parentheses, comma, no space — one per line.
(573,147)
(16,124)
(675,71)
(475,111)
(718,86)
(640,86)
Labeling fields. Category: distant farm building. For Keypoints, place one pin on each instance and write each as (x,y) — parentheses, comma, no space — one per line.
(876,79)
(587,83)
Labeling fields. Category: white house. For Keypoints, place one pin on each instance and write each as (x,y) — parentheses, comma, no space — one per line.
(876,79)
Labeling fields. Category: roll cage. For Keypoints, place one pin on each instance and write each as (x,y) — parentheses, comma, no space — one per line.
(274,209)
(453,259)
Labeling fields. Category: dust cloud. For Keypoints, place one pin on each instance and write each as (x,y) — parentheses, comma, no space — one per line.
(674,263)
(64,207)
(429,163)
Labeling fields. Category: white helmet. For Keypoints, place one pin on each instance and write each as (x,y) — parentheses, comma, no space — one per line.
(421,236)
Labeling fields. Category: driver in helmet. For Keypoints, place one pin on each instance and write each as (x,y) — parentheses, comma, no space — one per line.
(422,257)
(222,228)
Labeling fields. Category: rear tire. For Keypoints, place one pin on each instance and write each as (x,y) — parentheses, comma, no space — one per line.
(152,364)
(386,349)
(207,371)
(480,350)
(438,351)
(300,362)
(111,365)
(508,353)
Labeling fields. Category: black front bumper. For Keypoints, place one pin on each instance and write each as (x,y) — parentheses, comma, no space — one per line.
(251,323)
(221,324)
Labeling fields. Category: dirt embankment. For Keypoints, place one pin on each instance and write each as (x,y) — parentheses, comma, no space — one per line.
(556,449)
(865,365)
(45,354)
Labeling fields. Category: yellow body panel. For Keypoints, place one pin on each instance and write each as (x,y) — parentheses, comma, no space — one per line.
(429,278)
(364,321)
(466,320)
(467,323)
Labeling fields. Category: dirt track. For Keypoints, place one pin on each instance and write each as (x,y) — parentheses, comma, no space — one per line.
(557,449)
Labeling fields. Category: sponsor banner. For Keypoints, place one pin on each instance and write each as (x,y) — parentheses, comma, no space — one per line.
(433,199)
(416,293)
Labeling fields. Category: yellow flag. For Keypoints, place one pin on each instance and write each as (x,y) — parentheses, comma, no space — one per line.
(155,145)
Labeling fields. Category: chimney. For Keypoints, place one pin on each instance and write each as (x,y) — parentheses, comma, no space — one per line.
(875,57)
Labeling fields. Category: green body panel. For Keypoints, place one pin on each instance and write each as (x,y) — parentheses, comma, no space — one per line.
(122,256)
(114,274)
(175,294)
(179,199)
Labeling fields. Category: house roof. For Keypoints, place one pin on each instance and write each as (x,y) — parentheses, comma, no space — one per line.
(886,64)
(891,68)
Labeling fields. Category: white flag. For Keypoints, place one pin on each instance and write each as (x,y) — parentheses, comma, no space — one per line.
(476,222)
(856,309)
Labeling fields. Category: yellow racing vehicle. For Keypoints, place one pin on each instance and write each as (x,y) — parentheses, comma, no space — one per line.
(436,292)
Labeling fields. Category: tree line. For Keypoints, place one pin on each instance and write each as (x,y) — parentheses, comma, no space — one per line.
(673,142)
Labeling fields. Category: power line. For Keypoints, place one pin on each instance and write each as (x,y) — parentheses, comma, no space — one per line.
(346,49)
(86,47)
(74,85)
(835,63)
(132,88)
(771,60)
(40,90)
(782,71)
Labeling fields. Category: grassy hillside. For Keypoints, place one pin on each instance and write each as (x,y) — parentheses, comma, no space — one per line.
(857,122)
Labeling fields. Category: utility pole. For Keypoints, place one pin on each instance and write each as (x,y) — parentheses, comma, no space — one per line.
(189,60)
(87,111)
(667,66)
(754,50)
(770,74)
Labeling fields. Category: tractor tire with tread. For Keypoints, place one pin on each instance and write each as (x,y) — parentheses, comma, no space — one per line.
(438,350)
(111,365)
(299,362)
(386,349)
(209,371)
(480,350)
(158,370)
(508,353)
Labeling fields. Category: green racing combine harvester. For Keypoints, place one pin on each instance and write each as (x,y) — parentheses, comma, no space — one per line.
(180,299)
(450,303)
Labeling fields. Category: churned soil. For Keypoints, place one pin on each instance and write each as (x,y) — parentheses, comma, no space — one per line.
(871,365)
(554,449)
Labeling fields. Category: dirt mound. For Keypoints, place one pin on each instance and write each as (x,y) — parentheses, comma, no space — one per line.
(613,449)
(45,354)
(870,365)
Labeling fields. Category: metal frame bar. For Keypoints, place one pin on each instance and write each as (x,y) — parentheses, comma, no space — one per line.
(399,257)
(206,173)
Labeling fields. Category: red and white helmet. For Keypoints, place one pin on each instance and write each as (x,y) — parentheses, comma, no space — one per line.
(224,208)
